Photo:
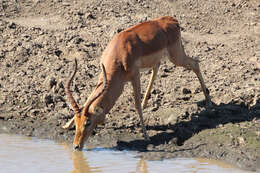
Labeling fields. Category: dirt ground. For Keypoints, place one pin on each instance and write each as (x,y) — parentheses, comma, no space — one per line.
(40,38)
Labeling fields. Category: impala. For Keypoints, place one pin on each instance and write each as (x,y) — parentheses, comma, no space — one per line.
(138,47)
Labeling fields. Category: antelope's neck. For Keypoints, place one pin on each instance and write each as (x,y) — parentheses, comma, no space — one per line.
(113,90)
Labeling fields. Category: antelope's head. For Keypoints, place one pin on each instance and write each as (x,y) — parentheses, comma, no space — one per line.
(85,119)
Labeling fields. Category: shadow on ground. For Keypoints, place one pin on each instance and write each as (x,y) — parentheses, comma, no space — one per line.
(209,118)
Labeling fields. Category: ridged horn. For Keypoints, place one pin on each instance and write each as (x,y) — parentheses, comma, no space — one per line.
(68,93)
(85,109)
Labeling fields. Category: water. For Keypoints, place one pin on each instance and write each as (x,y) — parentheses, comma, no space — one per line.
(30,155)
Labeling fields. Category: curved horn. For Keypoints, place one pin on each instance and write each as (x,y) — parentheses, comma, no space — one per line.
(68,93)
(99,93)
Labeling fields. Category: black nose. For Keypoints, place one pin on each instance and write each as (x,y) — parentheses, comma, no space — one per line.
(76,147)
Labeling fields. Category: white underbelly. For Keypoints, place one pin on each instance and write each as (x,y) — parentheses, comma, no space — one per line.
(149,61)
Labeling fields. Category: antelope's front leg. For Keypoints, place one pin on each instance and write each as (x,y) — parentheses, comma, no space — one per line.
(151,81)
(137,97)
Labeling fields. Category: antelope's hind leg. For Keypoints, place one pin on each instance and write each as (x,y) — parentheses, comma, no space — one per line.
(178,57)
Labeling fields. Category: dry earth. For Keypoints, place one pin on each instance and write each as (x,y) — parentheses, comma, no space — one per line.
(40,38)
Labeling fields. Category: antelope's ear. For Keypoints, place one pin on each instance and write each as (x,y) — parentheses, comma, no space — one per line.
(98,110)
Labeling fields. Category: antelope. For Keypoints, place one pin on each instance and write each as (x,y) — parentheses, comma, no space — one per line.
(138,47)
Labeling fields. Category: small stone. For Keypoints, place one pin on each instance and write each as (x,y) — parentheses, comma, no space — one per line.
(164,75)
(34,112)
(58,52)
(150,147)
(241,140)
(50,82)
(153,109)
(66,4)
(186,91)
(173,142)
(12,25)
(2,99)
(220,126)
(59,99)
(90,16)
(48,99)
(172,119)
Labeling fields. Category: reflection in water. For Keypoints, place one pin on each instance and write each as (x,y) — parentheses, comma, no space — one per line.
(80,162)
(214,162)
(18,153)
(141,166)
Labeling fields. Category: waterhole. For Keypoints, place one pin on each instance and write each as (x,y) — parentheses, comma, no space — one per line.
(30,155)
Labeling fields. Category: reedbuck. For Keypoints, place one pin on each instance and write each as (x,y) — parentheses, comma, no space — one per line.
(140,46)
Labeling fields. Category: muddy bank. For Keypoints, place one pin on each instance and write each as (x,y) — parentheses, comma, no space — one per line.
(228,132)
(39,40)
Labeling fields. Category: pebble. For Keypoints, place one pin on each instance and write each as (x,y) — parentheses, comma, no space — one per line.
(186,91)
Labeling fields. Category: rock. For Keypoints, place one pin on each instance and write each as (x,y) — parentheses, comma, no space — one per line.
(59,99)
(66,4)
(58,52)
(150,147)
(241,140)
(2,99)
(12,25)
(60,85)
(172,119)
(50,82)
(34,112)
(90,16)
(61,105)
(48,99)
(186,91)
(166,70)
(164,75)
(2,54)
(78,40)
(186,98)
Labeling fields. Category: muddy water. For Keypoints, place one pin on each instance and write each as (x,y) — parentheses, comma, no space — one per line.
(30,155)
